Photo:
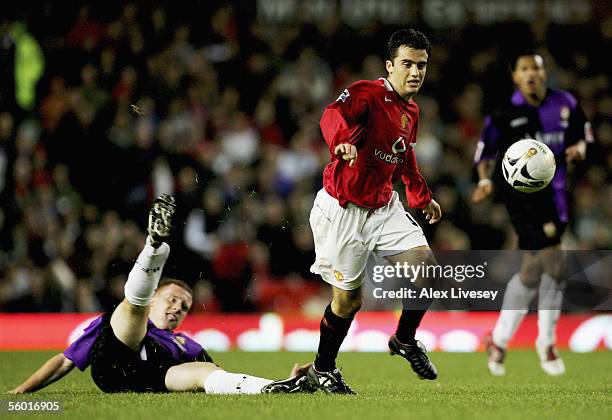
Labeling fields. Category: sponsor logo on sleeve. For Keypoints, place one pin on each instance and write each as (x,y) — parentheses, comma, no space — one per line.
(343,96)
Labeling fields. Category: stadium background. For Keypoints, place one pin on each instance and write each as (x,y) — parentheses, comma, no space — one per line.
(229,97)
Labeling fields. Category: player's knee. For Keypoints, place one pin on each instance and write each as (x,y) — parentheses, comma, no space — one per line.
(428,281)
(530,279)
(423,280)
(347,306)
(189,376)
(554,264)
(530,276)
(350,308)
(557,272)
(355,305)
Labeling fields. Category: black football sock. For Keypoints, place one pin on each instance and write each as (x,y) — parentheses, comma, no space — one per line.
(411,319)
(333,331)
(408,323)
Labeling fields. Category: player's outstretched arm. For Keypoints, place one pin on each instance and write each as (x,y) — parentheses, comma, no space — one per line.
(54,369)
(485,185)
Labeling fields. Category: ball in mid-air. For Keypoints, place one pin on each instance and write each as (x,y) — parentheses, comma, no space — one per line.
(528,165)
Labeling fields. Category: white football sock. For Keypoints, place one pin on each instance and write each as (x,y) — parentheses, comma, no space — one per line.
(222,382)
(514,308)
(144,276)
(549,310)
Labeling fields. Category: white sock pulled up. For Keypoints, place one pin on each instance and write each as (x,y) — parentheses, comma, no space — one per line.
(144,276)
(514,309)
(222,382)
(550,300)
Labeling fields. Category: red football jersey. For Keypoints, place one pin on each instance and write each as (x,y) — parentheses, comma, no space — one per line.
(383,127)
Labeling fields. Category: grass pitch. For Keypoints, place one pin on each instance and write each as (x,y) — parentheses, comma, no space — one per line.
(387,390)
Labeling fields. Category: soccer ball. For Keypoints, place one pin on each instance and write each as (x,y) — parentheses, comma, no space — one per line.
(528,165)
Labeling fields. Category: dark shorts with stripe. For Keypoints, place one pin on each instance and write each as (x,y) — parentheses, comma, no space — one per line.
(529,217)
(117,368)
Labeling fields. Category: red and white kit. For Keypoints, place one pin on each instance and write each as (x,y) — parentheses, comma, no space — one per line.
(357,210)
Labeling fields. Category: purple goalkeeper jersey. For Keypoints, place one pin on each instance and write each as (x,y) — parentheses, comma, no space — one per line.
(182,348)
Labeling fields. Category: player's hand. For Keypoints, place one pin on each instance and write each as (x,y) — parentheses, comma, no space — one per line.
(347,151)
(482,191)
(298,370)
(576,152)
(432,212)
(16,391)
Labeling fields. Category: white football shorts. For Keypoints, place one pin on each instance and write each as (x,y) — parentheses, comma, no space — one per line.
(345,237)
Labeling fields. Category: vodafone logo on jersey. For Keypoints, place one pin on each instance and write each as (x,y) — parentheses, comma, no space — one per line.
(387,157)
(398,147)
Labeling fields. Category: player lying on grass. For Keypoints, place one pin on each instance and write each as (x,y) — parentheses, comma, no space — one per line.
(136,349)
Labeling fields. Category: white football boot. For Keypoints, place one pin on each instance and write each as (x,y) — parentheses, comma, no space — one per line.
(495,356)
(550,360)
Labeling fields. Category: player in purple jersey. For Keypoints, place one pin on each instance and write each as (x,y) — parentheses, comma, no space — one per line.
(555,118)
(135,349)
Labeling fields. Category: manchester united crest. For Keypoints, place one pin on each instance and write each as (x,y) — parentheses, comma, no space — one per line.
(404,120)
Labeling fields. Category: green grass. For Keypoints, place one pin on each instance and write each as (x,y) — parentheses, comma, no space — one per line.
(387,390)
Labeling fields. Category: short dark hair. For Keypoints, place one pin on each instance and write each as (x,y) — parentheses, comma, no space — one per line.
(176,282)
(409,37)
(513,61)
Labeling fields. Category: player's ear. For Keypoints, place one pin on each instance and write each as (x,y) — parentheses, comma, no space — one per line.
(389,66)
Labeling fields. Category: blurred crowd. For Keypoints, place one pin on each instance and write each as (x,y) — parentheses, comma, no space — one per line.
(115,103)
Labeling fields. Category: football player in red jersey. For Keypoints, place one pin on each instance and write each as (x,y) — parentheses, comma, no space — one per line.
(371,132)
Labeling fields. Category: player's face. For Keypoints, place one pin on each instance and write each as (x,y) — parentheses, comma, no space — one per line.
(407,70)
(169,307)
(529,76)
